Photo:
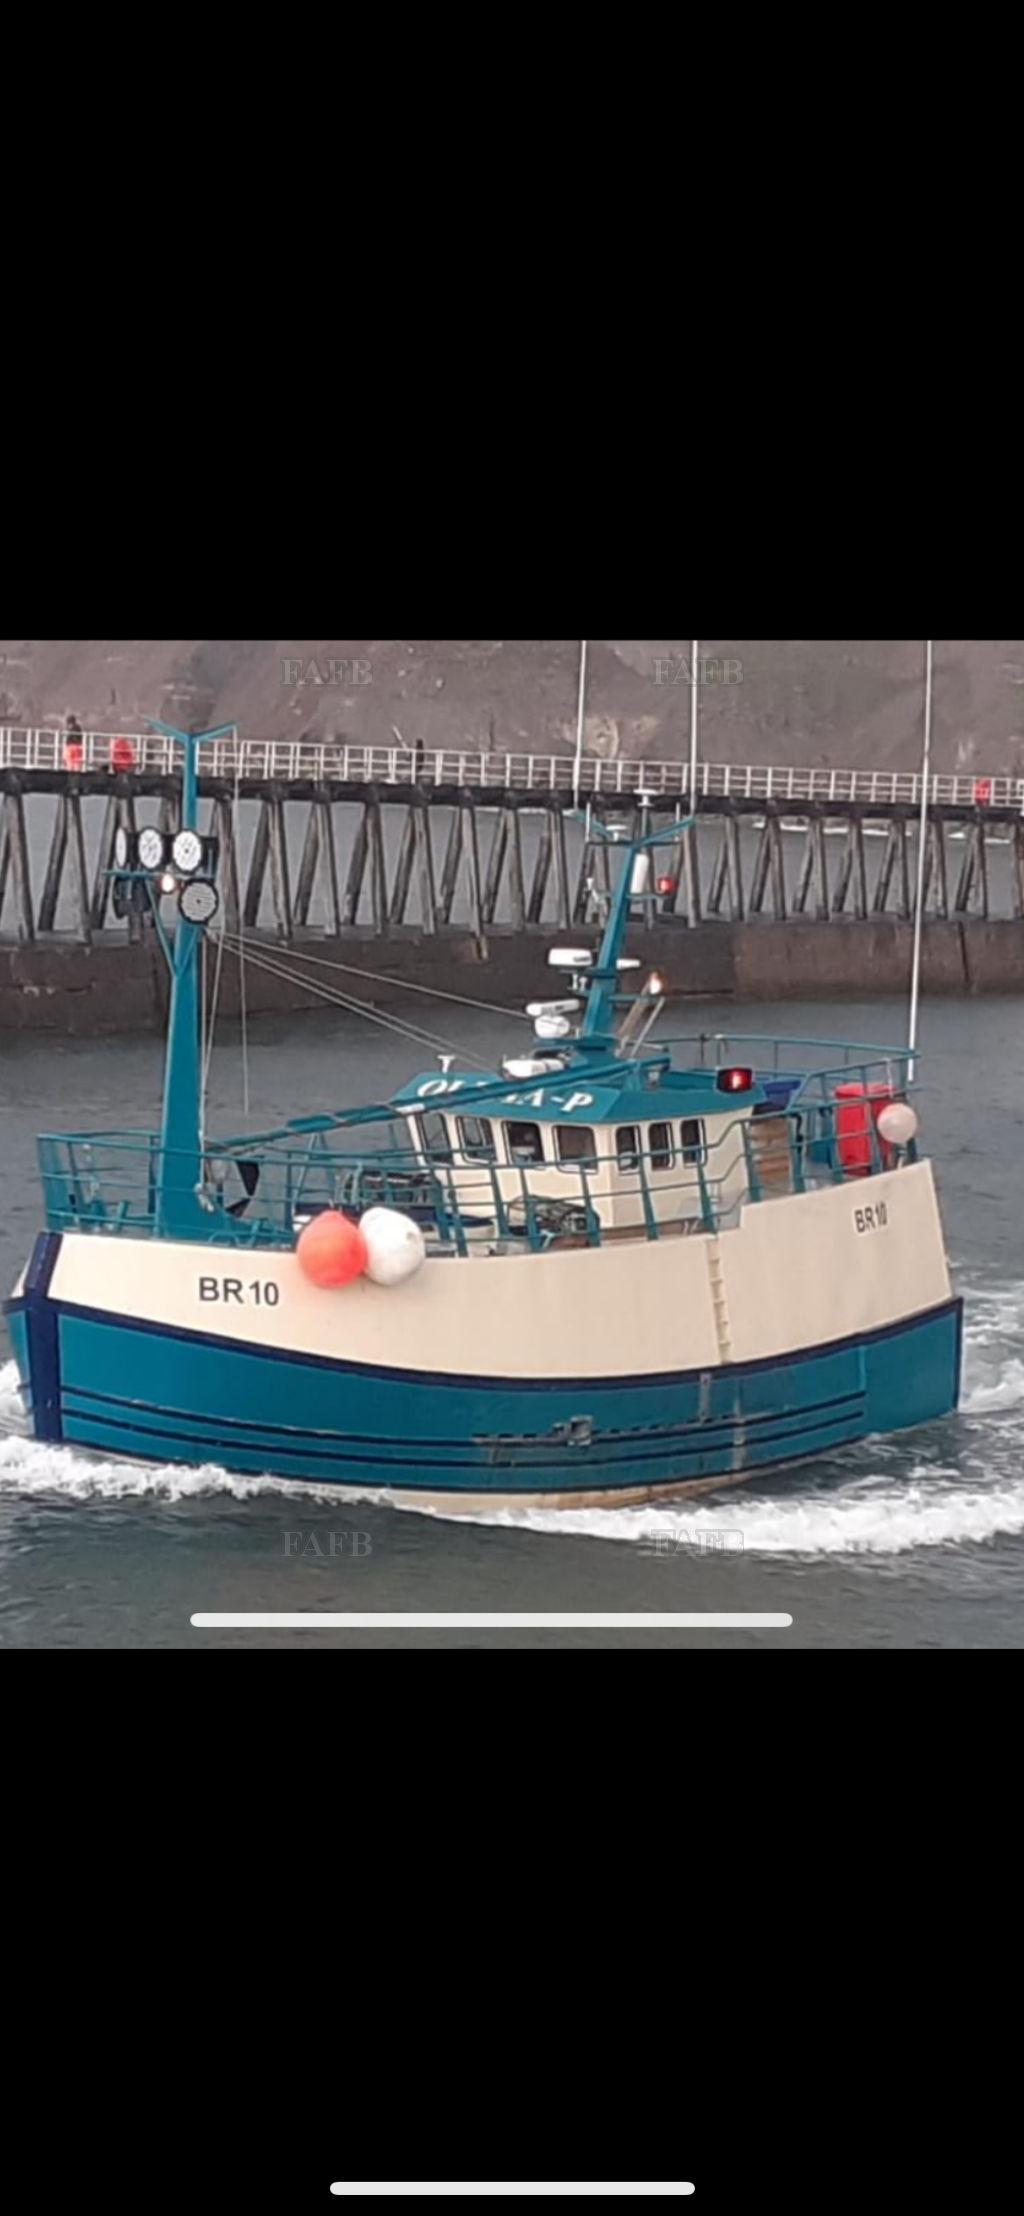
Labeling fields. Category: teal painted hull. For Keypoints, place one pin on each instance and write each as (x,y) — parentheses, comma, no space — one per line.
(116,1386)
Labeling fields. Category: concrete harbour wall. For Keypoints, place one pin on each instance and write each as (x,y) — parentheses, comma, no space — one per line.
(75,991)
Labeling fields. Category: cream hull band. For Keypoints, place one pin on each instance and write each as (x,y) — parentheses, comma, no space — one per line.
(608,1376)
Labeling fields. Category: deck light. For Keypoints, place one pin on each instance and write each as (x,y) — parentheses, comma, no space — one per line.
(198,901)
(666,887)
(187,853)
(735,1081)
(168,884)
(152,848)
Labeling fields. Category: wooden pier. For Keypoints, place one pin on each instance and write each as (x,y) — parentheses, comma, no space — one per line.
(338,856)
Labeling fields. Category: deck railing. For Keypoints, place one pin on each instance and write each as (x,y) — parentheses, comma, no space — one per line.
(303,761)
(106,1181)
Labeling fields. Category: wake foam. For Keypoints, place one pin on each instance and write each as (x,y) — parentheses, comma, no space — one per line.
(885,1497)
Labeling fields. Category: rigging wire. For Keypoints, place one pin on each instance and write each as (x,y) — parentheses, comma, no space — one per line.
(382,977)
(242,1003)
(337,999)
(210,1026)
(203,1056)
(278,967)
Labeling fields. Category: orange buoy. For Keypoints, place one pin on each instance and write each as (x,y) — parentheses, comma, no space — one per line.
(332,1249)
(122,754)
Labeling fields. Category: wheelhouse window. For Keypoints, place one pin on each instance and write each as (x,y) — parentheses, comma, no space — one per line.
(576,1145)
(476,1138)
(524,1144)
(691,1132)
(627,1146)
(437,1145)
(661,1149)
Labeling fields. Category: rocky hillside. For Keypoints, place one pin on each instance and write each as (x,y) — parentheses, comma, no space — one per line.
(841,701)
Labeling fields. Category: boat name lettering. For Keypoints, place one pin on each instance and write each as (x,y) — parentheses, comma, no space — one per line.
(435,1088)
(263,1292)
(542,1099)
(872,1219)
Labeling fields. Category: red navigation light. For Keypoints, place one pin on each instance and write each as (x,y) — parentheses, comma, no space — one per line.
(735,1081)
(666,885)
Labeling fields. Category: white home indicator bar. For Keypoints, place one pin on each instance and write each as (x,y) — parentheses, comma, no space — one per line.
(511,1620)
(615,2192)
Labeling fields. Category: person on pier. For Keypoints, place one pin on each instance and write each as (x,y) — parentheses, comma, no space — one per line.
(73,743)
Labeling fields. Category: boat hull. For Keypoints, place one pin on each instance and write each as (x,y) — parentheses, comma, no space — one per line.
(118,1383)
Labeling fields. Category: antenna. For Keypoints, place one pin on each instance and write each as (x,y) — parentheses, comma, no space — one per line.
(915,971)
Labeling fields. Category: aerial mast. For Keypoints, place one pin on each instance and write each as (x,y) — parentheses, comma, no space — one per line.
(596,1032)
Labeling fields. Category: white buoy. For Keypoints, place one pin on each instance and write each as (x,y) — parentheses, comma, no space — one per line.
(395,1246)
(897,1124)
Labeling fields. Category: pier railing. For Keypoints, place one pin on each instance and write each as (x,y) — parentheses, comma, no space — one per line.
(304,761)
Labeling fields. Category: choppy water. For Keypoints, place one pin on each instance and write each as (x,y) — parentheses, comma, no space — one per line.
(915,1541)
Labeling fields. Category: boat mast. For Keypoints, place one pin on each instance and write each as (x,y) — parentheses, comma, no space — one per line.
(597,1030)
(179,1213)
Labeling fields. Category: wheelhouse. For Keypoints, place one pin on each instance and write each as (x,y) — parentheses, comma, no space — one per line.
(644,1142)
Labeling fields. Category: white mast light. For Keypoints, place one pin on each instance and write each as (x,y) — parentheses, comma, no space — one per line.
(187,853)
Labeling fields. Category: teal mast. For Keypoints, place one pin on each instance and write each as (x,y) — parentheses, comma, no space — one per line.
(597,1030)
(179,1170)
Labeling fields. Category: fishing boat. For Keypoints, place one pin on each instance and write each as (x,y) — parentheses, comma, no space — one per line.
(617,1267)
